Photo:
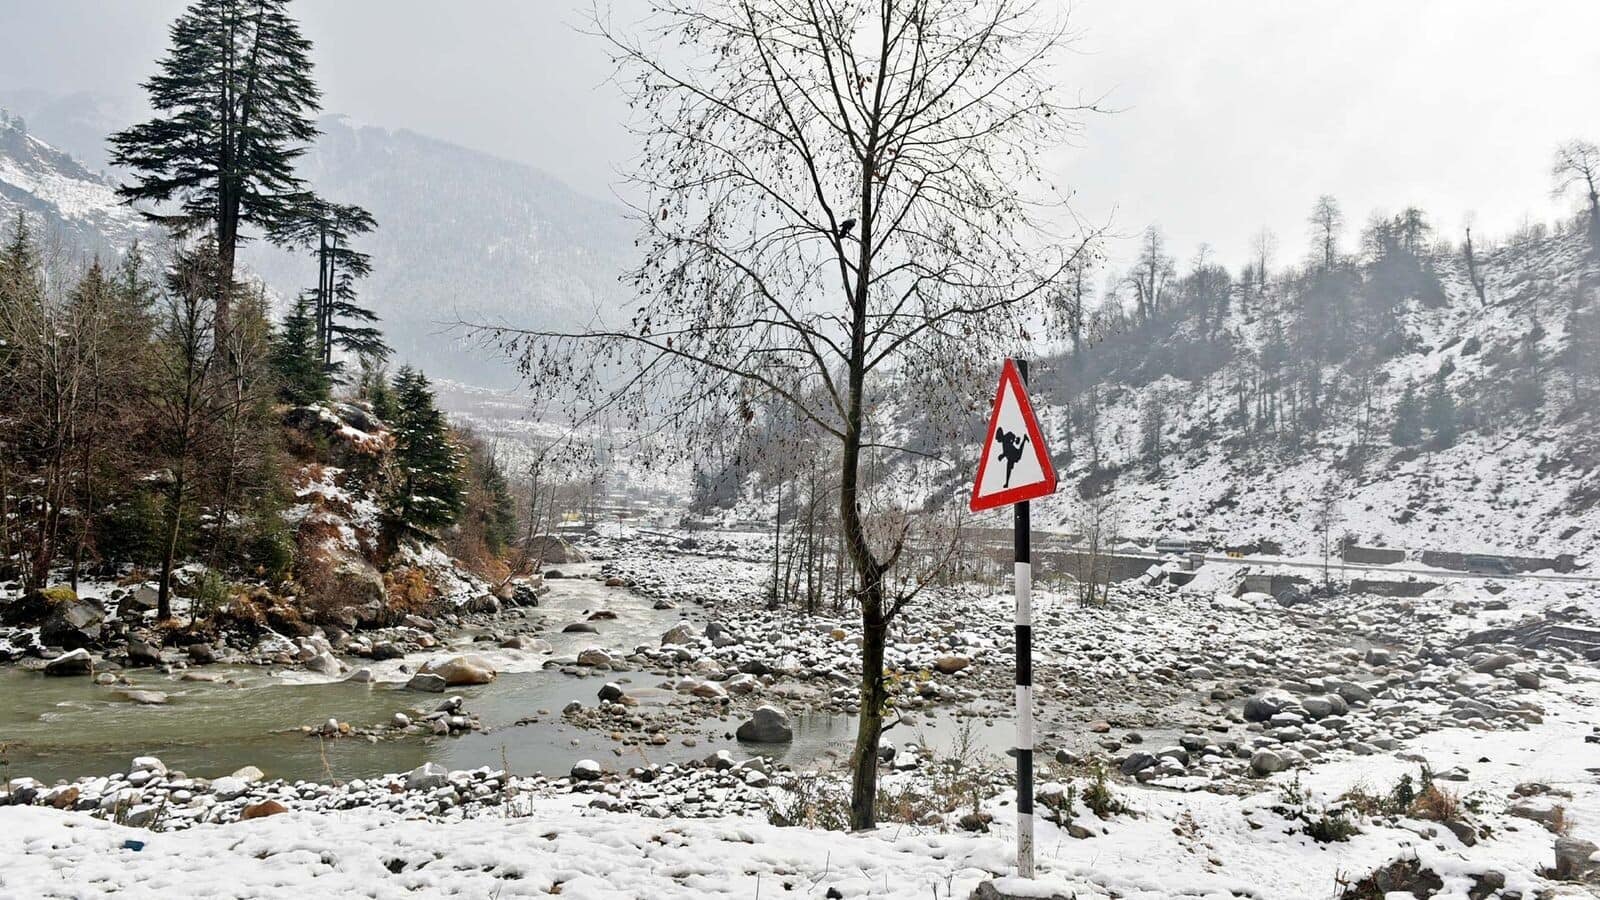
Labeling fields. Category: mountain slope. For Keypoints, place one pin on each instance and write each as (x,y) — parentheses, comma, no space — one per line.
(65,199)
(461,234)
(1260,439)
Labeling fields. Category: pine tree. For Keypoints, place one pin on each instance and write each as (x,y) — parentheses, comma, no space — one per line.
(235,106)
(1440,415)
(428,490)
(296,359)
(1527,386)
(499,514)
(374,388)
(342,322)
(1407,429)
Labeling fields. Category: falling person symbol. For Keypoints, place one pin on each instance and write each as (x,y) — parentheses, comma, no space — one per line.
(1010,450)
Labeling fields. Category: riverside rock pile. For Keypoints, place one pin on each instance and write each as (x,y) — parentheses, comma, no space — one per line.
(1179,689)
(149,796)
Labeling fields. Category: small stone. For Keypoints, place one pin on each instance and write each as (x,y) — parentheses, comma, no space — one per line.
(263,810)
(433,684)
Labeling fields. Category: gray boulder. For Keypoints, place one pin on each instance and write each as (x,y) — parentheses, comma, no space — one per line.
(1575,859)
(73,624)
(1266,762)
(1263,707)
(458,671)
(767,725)
(1136,762)
(681,633)
(77,662)
(427,777)
(143,653)
(1005,890)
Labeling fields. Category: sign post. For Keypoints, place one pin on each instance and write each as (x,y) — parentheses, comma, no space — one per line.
(1028,474)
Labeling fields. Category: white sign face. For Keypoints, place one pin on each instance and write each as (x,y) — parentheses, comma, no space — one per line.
(1015,465)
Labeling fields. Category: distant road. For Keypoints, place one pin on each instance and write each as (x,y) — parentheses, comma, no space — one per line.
(1397,569)
(1053,542)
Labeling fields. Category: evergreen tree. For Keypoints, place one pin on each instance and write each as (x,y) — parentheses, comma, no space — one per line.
(374,388)
(1407,429)
(499,515)
(428,489)
(296,358)
(1527,386)
(1440,415)
(235,106)
(342,322)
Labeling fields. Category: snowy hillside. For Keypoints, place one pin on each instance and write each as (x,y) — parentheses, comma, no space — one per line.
(1262,437)
(65,199)
(461,234)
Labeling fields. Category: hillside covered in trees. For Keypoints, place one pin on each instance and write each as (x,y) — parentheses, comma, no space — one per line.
(1423,391)
(160,431)
(1396,384)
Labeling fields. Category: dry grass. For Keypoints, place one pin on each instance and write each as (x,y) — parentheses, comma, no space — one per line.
(408,590)
(1437,804)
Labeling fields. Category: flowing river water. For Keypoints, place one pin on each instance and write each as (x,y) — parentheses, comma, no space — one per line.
(63,728)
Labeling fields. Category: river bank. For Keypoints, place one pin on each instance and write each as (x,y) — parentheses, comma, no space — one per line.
(657,659)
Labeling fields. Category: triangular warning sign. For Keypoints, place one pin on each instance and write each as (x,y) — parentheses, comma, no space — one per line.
(1015,465)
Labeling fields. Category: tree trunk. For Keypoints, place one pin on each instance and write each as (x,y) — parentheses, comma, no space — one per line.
(169,549)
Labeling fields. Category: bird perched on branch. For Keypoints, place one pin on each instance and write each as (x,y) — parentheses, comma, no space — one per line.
(844,228)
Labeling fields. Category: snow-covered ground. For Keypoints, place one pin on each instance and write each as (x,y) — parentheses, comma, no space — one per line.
(1170,844)
(1208,799)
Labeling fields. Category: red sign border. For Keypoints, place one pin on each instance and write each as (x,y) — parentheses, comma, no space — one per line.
(1009,373)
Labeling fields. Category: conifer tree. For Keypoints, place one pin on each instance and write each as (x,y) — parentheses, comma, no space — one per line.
(427,491)
(1407,429)
(234,103)
(342,322)
(1527,386)
(296,358)
(378,394)
(1440,416)
(499,515)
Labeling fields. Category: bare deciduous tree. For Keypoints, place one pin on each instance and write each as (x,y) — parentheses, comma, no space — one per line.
(1262,247)
(1154,270)
(1326,222)
(1577,163)
(837,194)
(186,401)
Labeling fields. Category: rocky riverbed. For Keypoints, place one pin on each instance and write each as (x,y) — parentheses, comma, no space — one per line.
(687,697)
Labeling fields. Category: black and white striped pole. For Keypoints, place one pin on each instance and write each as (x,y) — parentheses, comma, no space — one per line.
(1013,469)
(1024,624)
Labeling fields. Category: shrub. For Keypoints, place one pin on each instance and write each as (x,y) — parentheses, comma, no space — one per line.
(211,595)
(1098,797)
(269,547)
(1437,805)
(811,800)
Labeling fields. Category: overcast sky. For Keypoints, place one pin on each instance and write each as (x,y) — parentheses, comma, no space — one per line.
(1234,113)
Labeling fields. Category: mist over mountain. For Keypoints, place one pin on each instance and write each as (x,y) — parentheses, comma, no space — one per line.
(462,235)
